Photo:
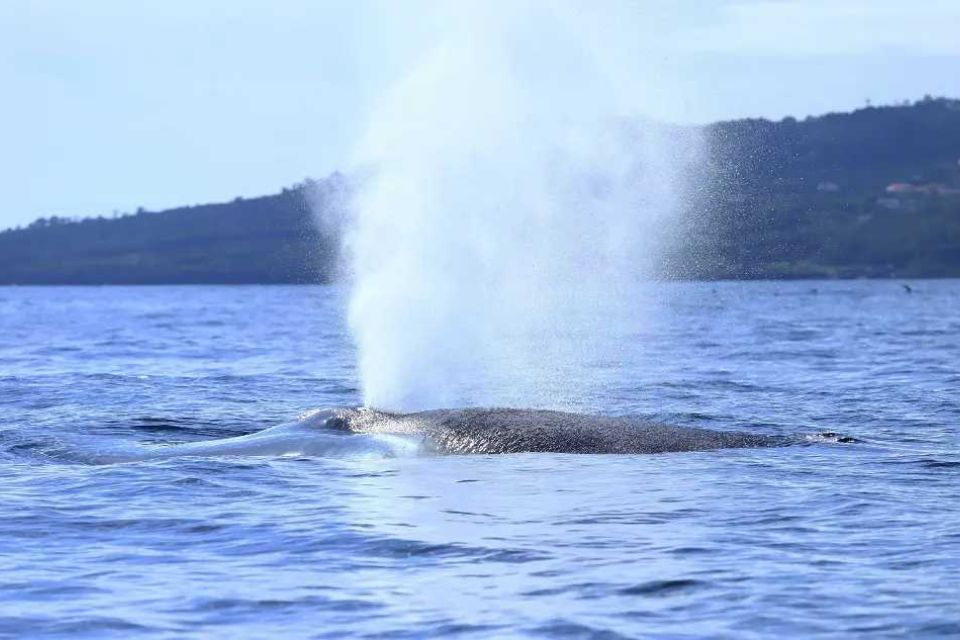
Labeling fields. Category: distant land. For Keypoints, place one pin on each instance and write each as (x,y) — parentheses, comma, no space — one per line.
(873,193)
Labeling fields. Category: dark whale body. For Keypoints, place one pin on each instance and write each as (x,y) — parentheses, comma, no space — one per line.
(461,431)
(485,431)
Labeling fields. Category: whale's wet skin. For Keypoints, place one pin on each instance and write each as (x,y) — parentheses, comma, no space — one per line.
(523,431)
(340,431)
(229,518)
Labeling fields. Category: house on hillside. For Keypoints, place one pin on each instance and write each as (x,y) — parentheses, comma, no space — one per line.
(899,187)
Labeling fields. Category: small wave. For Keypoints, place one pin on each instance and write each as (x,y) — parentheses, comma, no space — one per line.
(661,588)
(830,436)
(562,628)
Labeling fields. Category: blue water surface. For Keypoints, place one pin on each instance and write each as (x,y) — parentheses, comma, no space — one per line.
(824,540)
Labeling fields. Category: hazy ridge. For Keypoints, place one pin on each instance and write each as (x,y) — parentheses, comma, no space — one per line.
(872,193)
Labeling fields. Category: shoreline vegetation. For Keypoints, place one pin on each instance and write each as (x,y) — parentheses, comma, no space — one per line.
(874,193)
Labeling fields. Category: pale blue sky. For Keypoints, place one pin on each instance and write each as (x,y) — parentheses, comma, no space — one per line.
(110,105)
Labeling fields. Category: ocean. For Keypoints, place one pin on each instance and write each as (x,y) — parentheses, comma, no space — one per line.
(823,540)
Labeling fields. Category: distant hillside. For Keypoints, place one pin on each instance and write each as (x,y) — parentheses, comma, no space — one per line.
(267,240)
(873,193)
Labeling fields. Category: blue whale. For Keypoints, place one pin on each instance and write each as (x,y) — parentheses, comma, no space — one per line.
(341,431)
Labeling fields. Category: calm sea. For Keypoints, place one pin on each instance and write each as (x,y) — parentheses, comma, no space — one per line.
(815,541)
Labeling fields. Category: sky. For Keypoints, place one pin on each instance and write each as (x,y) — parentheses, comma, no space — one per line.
(110,105)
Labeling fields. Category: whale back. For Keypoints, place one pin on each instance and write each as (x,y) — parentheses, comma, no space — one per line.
(478,431)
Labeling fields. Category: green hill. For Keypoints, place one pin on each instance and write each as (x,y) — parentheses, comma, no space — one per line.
(873,193)
(266,240)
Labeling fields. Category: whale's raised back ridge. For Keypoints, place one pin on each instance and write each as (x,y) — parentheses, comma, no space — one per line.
(504,430)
